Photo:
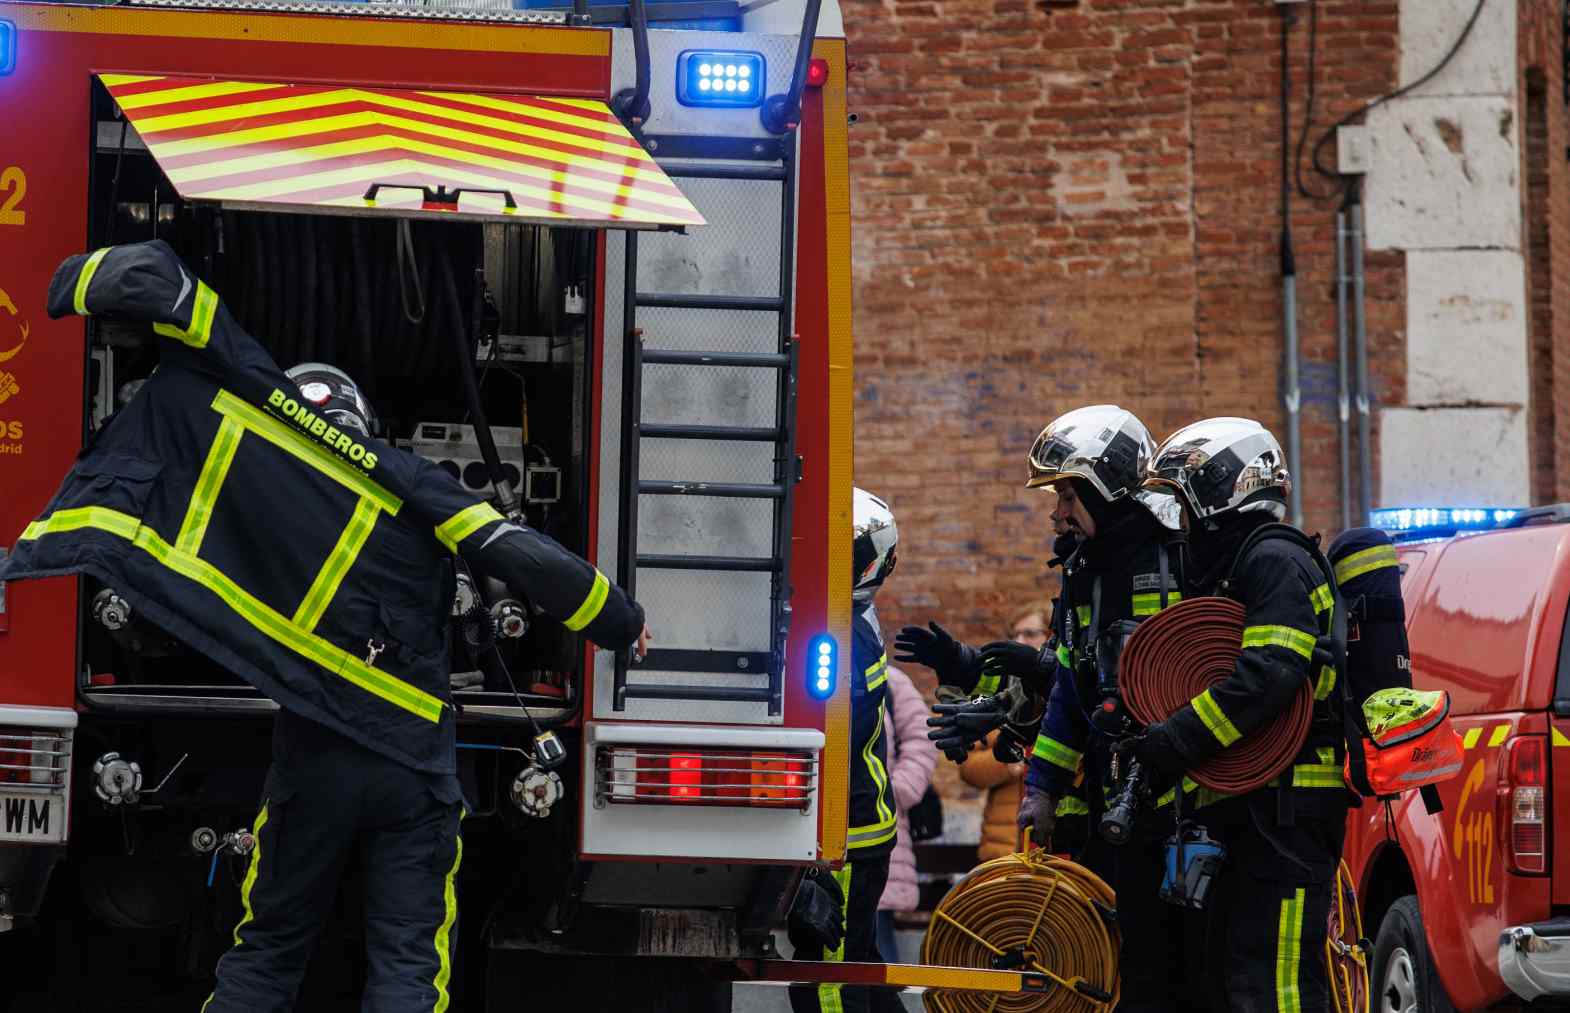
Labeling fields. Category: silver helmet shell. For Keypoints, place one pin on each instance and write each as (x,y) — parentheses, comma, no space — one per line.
(335,396)
(873,544)
(1222,464)
(1102,444)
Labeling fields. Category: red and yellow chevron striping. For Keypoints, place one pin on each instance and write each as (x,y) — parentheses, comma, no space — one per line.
(282,146)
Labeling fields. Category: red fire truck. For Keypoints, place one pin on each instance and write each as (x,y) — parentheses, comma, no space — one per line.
(639,241)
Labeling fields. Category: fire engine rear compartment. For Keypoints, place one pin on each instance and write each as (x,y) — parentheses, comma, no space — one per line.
(381,298)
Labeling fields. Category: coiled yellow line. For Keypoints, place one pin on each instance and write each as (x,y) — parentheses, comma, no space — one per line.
(1037,913)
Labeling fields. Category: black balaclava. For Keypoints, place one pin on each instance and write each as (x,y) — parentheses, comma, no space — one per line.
(1211,551)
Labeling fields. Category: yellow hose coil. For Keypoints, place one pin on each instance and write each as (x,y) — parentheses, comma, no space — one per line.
(1344,948)
(1030,912)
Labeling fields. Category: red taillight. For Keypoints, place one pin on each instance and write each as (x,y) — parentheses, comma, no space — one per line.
(817,73)
(33,756)
(654,776)
(1525,798)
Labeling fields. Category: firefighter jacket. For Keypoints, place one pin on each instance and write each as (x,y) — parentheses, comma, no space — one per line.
(1117,576)
(872,815)
(314,564)
(1287,607)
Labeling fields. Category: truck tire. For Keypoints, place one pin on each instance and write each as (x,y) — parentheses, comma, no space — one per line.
(1402,976)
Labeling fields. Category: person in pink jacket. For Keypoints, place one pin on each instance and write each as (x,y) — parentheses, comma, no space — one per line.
(912,756)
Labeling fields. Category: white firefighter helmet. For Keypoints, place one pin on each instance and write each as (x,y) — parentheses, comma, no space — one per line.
(873,544)
(1222,464)
(336,396)
(1102,444)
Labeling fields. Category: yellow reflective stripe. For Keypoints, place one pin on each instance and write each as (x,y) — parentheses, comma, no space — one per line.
(1368,560)
(876,833)
(590,609)
(1326,683)
(249,882)
(1467,741)
(986,685)
(1289,955)
(1292,639)
(1317,775)
(202,311)
(1321,598)
(1497,736)
(444,933)
(1072,806)
(219,456)
(291,440)
(1056,753)
(1150,604)
(331,657)
(465,523)
(829,995)
(1082,613)
(79,297)
(325,587)
(268,622)
(1215,719)
(100,518)
(1064,657)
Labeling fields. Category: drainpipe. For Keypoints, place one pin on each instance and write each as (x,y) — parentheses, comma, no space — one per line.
(1343,399)
(1360,337)
(1291,387)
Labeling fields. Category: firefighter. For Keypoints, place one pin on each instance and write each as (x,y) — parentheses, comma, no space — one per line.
(1126,565)
(872,818)
(1283,841)
(253,515)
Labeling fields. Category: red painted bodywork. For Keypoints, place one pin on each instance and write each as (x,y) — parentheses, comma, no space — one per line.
(1485,617)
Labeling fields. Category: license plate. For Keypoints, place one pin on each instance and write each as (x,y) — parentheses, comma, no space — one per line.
(33,817)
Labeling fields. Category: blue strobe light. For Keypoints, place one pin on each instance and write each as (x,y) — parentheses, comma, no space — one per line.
(714,77)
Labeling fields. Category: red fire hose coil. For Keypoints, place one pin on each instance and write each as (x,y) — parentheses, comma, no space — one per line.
(1179,653)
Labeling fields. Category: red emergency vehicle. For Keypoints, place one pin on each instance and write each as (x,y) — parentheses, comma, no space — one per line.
(1470,908)
(657,304)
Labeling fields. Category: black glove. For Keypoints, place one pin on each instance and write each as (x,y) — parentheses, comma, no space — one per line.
(1014,743)
(956,726)
(817,918)
(1157,753)
(1030,664)
(935,648)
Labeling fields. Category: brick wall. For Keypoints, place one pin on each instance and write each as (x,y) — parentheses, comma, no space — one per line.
(1547,215)
(1064,204)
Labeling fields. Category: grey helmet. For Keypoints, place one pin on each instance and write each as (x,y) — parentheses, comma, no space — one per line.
(873,544)
(1220,465)
(1102,444)
(335,396)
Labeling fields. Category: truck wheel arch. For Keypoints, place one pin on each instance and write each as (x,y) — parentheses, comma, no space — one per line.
(1387,878)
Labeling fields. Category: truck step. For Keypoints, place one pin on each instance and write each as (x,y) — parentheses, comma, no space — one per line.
(677,357)
(675,301)
(666,431)
(729,490)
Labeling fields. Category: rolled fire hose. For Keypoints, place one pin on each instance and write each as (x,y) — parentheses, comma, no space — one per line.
(1182,651)
(1028,912)
(1346,951)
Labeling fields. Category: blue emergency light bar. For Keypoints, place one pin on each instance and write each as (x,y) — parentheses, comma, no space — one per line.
(7,47)
(715,77)
(1400,520)
(822,667)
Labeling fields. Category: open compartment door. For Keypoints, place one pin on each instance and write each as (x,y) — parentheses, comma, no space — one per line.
(281,146)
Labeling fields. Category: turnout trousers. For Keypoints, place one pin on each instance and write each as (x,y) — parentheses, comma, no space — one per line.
(325,799)
(1269,920)
(1162,960)
(862,881)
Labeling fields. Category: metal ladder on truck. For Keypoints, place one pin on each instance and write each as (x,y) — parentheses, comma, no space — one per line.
(761,163)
